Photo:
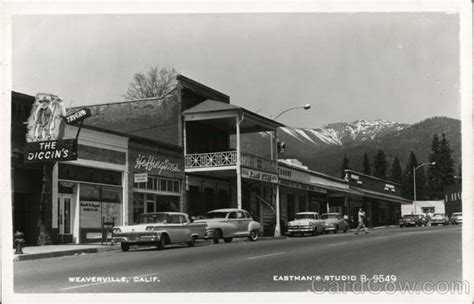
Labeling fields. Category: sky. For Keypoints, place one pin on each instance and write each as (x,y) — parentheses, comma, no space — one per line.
(396,66)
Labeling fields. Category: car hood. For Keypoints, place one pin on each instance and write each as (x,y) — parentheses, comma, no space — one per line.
(302,222)
(135,228)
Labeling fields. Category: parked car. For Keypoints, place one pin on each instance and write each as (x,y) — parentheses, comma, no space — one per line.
(422,220)
(334,222)
(439,219)
(456,218)
(409,220)
(306,222)
(160,229)
(231,223)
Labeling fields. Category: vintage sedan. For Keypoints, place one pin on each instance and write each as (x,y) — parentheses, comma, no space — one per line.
(409,220)
(230,223)
(439,219)
(456,218)
(334,222)
(160,229)
(306,222)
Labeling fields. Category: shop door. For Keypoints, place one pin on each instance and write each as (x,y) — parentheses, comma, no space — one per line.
(64,213)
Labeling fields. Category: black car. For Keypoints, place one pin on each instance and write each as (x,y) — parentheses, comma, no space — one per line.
(409,220)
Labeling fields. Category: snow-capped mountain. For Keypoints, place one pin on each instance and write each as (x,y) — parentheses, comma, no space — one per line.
(323,149)
(340,134)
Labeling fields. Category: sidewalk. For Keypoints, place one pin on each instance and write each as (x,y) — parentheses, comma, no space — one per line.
(51,251)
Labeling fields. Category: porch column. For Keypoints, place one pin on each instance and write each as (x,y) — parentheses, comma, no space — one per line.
(239,175)
(276,187)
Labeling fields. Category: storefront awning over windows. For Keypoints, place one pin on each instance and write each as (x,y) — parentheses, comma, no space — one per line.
(382,196)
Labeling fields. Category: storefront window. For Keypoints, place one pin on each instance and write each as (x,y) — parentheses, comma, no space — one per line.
(159,184)
(100,204)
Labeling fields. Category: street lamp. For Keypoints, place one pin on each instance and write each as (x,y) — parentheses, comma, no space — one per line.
(277,188)
(414,182)
(306,107)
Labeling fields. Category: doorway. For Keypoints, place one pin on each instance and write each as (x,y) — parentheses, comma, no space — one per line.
(64,216)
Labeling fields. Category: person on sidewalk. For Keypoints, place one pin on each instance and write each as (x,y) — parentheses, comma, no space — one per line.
(361,216)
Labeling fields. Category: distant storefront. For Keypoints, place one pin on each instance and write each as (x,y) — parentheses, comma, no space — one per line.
(156,175)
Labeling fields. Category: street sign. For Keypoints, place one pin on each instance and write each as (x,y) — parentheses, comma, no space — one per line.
(50,151)
(140,177)
(78,116)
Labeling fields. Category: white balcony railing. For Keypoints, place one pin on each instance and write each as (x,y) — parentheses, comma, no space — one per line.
(229,158)
(211,160)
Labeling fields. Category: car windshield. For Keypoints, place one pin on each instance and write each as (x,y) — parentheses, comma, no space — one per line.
(152,218)
(304,216)
(217,214)
(329,216)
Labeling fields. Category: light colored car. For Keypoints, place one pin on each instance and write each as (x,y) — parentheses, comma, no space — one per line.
(439,219)
(160,229)
(306,222)
(231,223)
(456,218)
(334,222)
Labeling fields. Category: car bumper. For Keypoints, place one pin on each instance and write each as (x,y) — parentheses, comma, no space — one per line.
(438,222)
(301,229)
(408,223)
(136,238)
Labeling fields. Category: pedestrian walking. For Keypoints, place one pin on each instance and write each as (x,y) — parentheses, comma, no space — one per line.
(361,217)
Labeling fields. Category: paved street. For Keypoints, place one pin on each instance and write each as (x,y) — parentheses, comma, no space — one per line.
(410,254)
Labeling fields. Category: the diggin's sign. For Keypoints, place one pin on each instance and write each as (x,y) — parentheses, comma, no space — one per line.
(50,151)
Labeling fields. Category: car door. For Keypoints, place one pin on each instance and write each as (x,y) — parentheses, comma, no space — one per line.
(243,224)
(231,225)
(175,229)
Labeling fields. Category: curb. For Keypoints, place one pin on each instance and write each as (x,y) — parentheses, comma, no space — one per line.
(55,254)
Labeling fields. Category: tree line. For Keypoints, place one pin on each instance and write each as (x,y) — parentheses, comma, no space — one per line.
(430,184)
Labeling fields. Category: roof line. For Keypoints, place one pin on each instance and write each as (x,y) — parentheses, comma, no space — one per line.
(127,101)
(373,177)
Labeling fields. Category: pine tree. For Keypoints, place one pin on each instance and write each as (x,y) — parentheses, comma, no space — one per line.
(407,180)
(446,163)
(345,165)
(366,165)
(441,174)
(396,174)
(380,165)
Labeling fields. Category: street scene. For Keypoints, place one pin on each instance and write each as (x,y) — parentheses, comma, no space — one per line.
(203,153)
(414,255)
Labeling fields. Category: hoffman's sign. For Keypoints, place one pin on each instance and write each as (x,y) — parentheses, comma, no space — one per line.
(150,162)
(51,151)
(78,116)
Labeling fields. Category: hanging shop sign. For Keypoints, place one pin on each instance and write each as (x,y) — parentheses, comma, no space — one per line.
(140,177)
(149,163)
(50,151)
(78,116)
(259,175)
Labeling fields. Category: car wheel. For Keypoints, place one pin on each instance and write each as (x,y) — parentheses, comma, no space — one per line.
(161,243)
(315,232)
(228,240)
(253,235)
(192,242)
(346,228)
(336,229)
(125,247)
(217,236)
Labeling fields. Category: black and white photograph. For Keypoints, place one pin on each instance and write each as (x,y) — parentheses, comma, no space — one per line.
(255,152)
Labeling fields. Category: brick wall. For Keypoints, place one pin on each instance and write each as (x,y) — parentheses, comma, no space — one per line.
(99,154)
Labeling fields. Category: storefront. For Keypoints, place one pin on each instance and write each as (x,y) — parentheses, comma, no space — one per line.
(91,190)
(156,177)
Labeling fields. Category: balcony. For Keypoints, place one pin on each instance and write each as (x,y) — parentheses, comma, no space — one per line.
(221,160)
